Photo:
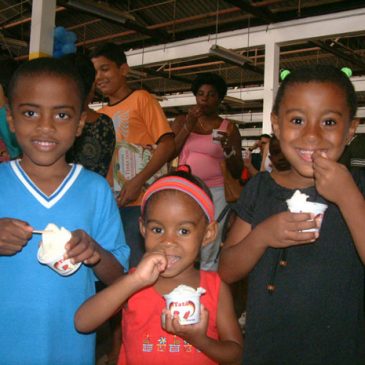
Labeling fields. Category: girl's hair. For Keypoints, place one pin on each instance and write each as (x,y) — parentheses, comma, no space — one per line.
(111,51)
(322,74)
(210,79)
(47,66)
(184,173)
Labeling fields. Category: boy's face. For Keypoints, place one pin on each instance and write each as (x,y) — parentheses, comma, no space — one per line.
(46,116)
(109,76)
(313,117)
(175,225)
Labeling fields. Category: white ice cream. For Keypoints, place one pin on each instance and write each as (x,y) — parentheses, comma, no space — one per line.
(298,204)
(297,199)
(186,290)
(53,242)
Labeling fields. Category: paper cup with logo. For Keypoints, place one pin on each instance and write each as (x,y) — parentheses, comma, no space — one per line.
(58,264)
(52,249)
(185,302)
(318,209)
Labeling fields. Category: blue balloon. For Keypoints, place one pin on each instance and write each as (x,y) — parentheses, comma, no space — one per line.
(70,37)
(69,48)
(59,33)
(57,53)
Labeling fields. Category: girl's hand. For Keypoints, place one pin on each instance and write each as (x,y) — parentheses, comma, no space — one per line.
(82,248)
(192,333)
(14,235)
(286,229)
(150,267)
(332,179)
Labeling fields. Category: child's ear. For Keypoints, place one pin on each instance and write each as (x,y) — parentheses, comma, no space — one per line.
(124,69)
(10,119)
(210,233)
(352,130)
(142,227)
(81,124)
(275,125)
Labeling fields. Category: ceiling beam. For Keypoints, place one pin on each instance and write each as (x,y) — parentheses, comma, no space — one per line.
(353,58)
(262,13)
(116,16)
(165,75)
(283,33)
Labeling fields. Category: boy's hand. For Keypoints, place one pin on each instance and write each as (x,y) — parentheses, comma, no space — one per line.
(14,235)
(331,178)
(150,267)
(192,333)
(82,248)
(286,229)
(130,191)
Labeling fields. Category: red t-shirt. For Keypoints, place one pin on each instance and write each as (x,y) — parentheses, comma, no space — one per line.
(145,342)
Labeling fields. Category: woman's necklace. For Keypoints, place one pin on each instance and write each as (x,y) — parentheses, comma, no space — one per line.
(204,128)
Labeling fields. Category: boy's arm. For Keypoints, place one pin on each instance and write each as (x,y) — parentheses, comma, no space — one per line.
(108,269)
(132,188)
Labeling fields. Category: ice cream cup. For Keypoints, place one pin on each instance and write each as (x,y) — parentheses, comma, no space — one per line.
(186,306)
(318,209)
(58,264)
(216,135)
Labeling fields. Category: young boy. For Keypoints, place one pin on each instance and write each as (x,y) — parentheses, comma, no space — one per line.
(37,304)
(138,119)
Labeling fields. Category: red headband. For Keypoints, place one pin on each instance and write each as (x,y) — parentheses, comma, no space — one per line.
(185,186)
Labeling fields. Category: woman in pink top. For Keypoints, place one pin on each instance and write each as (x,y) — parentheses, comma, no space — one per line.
(197,148)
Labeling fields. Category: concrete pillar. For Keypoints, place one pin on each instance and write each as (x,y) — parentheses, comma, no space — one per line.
(271,81)
(42,27)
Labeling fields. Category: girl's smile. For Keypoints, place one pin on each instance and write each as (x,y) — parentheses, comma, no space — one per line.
(313,120)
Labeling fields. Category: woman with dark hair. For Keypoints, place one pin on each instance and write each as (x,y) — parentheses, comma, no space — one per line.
(203,141)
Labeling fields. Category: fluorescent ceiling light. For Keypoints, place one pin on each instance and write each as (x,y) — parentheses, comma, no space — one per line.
(232,99)
(228,55)
(101,11)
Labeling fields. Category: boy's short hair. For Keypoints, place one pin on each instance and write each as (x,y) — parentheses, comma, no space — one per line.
(210,79)
(47,66)
(319,73)
(84,66)
(111,51)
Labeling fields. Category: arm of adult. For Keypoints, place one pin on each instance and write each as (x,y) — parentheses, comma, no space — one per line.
(234,161)
(182,126)
(161,155)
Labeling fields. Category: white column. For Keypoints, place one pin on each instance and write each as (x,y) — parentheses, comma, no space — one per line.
(42,26)
(271,80)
